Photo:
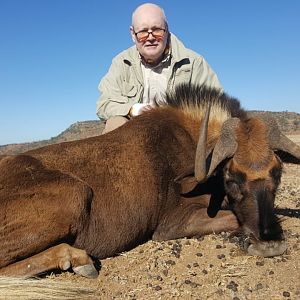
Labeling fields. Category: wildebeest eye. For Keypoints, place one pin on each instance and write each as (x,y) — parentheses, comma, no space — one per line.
(233,185)
(276,173)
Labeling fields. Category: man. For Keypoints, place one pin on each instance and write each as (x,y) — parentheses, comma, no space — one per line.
(139,76)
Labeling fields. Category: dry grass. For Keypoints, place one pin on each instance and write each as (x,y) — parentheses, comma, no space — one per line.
(46,289)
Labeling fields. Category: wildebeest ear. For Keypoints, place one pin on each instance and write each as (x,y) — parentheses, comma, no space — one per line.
(187,181)
(286,149)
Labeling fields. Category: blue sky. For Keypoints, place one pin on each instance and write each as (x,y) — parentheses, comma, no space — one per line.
(53,54)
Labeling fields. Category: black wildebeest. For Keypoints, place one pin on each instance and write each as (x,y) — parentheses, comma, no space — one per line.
(65,203)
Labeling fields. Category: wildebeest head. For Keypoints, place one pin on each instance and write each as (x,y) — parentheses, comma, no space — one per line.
(251,152)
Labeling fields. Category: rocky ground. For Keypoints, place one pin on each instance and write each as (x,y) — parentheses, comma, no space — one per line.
(213,267)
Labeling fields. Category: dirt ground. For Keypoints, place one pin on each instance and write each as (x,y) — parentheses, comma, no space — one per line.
(212,267)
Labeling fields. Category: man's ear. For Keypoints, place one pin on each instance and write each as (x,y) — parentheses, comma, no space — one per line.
(132,34)
(187,181)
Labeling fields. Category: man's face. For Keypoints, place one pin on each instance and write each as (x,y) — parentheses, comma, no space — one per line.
(150,46)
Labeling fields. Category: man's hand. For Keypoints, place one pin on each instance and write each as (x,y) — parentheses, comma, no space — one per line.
(139,108)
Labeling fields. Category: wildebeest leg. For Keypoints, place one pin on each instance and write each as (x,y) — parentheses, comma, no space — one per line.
(62,257)
(190,219)
(40,208)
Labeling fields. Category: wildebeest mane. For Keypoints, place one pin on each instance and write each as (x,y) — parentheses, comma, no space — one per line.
(197,97)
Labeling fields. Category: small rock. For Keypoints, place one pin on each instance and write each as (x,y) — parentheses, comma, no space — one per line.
(194,284)
(170,262)
(232,286)
(296,246)
(259,286)
(286,294)
(157,288)
(159,249)
(176,249)
(199,254)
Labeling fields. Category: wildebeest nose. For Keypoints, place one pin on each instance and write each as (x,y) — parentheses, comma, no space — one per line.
(267,249)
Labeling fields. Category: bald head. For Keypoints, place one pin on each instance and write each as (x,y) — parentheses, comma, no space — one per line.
(146,12)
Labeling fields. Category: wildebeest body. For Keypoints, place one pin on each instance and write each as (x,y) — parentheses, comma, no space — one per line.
(109,193)
(117,177)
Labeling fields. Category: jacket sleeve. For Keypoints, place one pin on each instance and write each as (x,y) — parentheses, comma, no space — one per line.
(116,98)
(203,74)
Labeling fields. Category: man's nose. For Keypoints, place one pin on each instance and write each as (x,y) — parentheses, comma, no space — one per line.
(151,36)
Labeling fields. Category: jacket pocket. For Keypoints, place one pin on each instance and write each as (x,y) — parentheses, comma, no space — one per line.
(129,90)
(183,73)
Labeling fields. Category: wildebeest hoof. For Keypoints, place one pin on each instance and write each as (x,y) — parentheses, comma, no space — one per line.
(267,249)
(88,271)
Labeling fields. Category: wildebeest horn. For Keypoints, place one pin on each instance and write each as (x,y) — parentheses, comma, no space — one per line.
(277,140)
(200,159)
(226,144)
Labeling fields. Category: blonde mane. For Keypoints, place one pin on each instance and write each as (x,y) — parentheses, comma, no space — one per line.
(194,101)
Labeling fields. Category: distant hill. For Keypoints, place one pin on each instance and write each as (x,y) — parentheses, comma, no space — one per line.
(289,123)
(76,131)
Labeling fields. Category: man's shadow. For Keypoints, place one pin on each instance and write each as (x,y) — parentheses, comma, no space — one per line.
(288,212)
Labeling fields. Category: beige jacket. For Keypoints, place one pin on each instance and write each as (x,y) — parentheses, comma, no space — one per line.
(123,85)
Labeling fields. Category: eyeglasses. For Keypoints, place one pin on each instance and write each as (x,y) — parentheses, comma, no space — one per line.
(157,33)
